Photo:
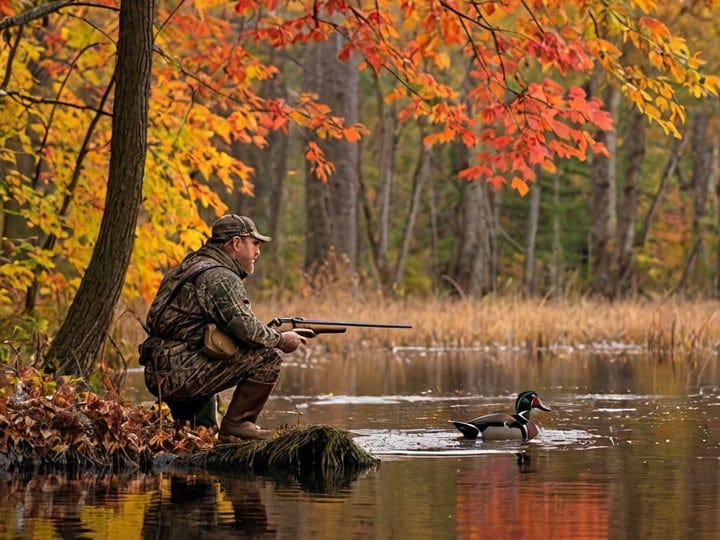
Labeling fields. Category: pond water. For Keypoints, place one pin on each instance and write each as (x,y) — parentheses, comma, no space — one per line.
(631,449)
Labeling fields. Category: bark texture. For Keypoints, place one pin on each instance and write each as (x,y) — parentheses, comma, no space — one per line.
(332,207)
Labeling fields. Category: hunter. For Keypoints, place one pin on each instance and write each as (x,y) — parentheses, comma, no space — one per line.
(206,293)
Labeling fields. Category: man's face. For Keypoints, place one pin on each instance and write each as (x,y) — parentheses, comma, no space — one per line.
(246,250)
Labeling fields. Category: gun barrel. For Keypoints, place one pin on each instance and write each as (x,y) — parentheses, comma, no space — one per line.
(364,324)
(301,320)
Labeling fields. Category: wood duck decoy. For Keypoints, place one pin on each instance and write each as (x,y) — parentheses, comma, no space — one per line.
(500,426)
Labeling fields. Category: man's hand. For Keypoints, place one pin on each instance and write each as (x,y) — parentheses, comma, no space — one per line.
(291,341)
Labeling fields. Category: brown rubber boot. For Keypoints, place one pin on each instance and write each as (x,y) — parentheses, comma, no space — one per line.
(238,424)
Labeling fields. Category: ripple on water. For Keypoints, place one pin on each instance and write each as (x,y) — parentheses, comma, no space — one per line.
(564,438)
(377,400)
(444,443)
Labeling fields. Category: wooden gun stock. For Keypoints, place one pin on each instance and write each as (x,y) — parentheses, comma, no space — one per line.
(312,331)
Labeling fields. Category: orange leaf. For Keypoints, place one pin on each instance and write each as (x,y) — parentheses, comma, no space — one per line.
(520,185)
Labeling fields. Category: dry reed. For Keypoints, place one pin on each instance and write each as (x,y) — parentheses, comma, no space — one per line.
(673,325)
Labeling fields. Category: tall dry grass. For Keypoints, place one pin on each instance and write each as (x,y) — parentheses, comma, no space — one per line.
(673,325)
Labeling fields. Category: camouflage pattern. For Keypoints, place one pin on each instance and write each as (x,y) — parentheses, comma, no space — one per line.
(206,287)
(180,374)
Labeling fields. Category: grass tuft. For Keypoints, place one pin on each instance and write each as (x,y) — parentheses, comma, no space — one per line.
(321,457)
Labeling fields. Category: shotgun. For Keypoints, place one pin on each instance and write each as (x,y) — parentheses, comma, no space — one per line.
(310,328)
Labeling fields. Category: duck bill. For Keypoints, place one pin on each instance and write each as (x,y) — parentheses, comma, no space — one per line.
(538,404)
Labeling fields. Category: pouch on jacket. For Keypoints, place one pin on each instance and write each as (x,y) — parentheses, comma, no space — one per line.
(218,344)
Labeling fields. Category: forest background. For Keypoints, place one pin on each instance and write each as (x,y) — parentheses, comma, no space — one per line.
(516,171)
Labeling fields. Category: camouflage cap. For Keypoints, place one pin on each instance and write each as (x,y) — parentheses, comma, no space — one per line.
(231,225)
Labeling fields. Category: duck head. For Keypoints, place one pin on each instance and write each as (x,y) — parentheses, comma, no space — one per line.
(528,401)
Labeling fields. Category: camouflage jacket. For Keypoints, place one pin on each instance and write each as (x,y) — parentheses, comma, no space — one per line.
(206,287)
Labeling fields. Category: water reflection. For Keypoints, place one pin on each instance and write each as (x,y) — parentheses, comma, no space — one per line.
(191,506)
(519,507)
(53,505)
(631,449)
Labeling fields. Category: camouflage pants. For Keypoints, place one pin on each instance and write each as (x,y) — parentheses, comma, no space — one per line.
(180,375)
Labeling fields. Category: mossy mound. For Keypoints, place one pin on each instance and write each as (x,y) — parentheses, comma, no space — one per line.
(321,457)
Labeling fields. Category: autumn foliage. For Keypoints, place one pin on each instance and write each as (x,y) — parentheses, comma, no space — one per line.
(515,115)
(43,422)
(509,80)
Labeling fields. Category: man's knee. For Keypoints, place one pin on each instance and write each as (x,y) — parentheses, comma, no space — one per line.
(267,370)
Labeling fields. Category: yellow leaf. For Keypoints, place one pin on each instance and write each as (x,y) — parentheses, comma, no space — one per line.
(202,5)
(655,59)
(645,5)
(712,83)
(652,112)
(695,62)
(679,46)
(192,237)
(520,185)
(677,72)
(666,91)
(222,129)
(677,112)
(442,60)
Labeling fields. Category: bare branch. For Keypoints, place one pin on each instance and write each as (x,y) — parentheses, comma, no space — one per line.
(26,100)
(43,143)
(38,12)
(11,59)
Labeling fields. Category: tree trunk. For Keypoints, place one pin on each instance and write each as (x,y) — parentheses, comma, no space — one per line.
(342,95)
(422,172)
(556,262)
(270,164)
(602,205)
(473,275)
(702,161)
(716,175)
(474,272)
(531,238)
(81,336)
(318,239)
(627,206)
(432,216)
(332,208)
(670,170)
(386,142)
(702,167)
